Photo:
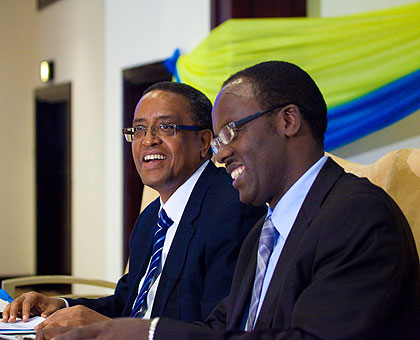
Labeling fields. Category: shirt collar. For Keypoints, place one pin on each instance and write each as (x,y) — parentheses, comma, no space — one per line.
(287,209)
(175,205)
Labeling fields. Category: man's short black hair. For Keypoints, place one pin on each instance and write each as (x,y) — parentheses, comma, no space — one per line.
(277,82)
(200,104)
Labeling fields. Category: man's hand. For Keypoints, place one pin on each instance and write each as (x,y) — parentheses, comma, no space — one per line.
(31,304)
(51,333)
(75,316)
(121,329)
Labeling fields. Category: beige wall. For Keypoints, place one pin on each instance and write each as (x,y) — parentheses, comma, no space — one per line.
(330,8)
(16,139)
(72,34)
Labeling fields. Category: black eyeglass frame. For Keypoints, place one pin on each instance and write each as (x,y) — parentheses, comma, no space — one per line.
(129,132)
(232,125)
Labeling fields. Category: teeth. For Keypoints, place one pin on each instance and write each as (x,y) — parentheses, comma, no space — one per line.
(237,172)
(152,157)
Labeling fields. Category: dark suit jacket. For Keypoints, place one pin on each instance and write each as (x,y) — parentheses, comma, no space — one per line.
(349,270)
(199,267)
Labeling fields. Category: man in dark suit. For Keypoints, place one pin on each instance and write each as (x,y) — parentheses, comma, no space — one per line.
(334,258)
(197,254)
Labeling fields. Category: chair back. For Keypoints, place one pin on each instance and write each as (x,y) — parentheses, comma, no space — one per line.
(398,173)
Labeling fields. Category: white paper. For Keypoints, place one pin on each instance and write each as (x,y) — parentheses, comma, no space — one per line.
(17,337)
(3,305)
(20,326)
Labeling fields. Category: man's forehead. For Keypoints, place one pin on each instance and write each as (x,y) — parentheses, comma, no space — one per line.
(239,91)
(240,87)
(158,116)
(153,94)
(159,104)
(163,99)
(234,101)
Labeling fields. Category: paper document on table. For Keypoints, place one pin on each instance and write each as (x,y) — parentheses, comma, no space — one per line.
(3,305)
(18,337)
(20,326)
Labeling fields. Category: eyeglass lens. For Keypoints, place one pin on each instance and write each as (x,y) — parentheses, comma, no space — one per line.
(140,132)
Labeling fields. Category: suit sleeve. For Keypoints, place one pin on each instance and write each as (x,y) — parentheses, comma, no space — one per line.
(111,306)
(356,281)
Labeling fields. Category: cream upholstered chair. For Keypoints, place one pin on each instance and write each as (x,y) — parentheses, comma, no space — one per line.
(398,173)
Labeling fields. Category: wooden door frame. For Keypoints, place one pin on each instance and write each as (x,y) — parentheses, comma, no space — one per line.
(222,10)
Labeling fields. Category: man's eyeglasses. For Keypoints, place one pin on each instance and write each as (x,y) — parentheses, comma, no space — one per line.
(137,133)
(227,132)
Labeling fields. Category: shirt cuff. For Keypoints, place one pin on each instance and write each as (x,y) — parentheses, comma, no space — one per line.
(152,328)
(65,301)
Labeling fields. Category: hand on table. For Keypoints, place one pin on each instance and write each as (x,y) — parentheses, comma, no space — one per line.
(50,333)
(31,304)
(75,316)
(121,329)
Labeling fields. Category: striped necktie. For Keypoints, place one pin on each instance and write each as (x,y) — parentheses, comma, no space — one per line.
(164,222)
(268,237)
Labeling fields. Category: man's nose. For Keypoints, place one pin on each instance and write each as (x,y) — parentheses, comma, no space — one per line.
(224,153)
(151,137)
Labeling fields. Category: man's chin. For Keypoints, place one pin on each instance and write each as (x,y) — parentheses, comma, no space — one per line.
(153,183)
(244,197)
(250,199)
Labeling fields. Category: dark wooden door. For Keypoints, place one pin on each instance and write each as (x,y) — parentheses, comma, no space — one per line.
(53,180)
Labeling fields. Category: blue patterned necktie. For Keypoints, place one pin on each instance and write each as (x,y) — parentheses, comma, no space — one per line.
(268,237)
(164,222)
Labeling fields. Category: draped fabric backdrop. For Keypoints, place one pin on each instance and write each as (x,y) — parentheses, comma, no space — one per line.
(366,65)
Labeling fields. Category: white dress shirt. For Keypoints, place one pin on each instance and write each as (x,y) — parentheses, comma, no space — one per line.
(283,217)
(174,208)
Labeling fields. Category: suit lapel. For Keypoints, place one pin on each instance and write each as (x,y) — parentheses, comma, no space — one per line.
(325,180)
(177,255)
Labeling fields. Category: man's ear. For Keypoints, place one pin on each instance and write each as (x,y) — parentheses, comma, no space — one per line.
(206,137)
(292,120)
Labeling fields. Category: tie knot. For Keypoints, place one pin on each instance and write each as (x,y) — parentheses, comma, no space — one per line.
(164,220)
(268,234)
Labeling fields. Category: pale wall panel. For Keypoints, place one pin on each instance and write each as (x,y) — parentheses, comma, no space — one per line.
(71,33)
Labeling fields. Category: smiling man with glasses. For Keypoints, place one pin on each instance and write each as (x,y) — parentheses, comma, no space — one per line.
(184,245)
(334,258)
